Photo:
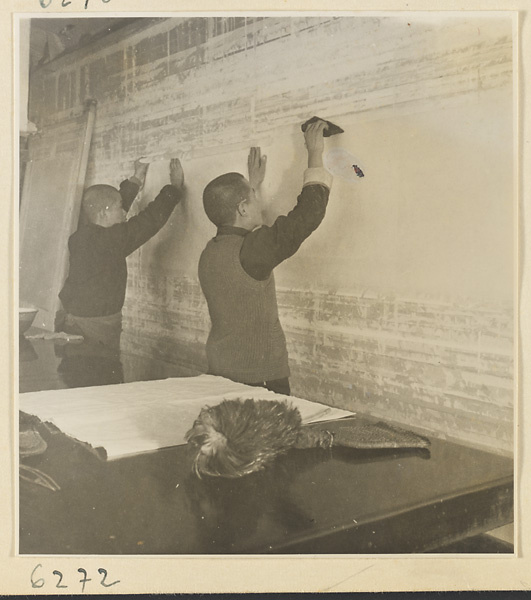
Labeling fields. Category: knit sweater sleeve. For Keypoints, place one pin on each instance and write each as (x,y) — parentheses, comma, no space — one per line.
(265,248)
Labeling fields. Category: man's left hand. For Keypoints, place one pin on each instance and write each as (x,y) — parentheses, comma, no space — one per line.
(256,164)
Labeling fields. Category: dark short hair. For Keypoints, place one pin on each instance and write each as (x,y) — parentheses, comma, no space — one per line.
(96,199)
(222,196)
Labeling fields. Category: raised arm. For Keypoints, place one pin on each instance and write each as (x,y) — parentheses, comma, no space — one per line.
(137,230)
(265,248)
(129,188)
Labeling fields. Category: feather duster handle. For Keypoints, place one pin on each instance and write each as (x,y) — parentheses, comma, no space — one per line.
(314,438)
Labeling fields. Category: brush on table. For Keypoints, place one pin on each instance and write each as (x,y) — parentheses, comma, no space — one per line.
(238,437)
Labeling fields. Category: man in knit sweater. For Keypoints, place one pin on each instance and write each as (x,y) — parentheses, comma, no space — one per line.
(246,342)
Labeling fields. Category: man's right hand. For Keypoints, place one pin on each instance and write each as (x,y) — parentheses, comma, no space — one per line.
(176,173)
(315,143)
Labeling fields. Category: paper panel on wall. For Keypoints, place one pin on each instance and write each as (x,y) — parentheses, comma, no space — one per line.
(51,199)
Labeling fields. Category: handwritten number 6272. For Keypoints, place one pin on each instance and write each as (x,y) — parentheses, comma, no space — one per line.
(39,583)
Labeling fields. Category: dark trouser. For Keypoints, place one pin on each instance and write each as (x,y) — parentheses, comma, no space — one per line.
(279,386)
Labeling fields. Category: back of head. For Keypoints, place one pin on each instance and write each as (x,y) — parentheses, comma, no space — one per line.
(97,200)
(222,196)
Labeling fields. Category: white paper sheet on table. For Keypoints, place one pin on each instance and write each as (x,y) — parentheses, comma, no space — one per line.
(147,415)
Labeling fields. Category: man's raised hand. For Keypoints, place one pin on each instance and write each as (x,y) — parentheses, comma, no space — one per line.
(256,164)
(176,173)
(314,139)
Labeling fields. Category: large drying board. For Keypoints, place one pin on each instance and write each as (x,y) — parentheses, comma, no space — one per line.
(51,199)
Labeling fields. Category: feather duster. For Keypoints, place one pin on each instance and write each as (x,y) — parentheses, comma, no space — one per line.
(238,437)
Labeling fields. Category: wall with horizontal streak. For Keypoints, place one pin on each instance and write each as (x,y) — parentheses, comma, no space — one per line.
(401,303)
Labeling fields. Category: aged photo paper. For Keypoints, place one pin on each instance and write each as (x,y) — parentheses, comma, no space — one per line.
(404,312)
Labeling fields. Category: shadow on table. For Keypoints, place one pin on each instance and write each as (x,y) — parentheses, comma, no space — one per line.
(231,513)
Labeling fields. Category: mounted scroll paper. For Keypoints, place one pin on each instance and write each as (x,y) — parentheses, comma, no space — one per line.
(51,199)
(148,415)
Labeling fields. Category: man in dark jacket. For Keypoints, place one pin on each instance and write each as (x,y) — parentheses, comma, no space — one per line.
(94,291)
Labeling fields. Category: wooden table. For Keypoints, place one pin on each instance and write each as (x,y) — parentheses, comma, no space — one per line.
(311,501)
